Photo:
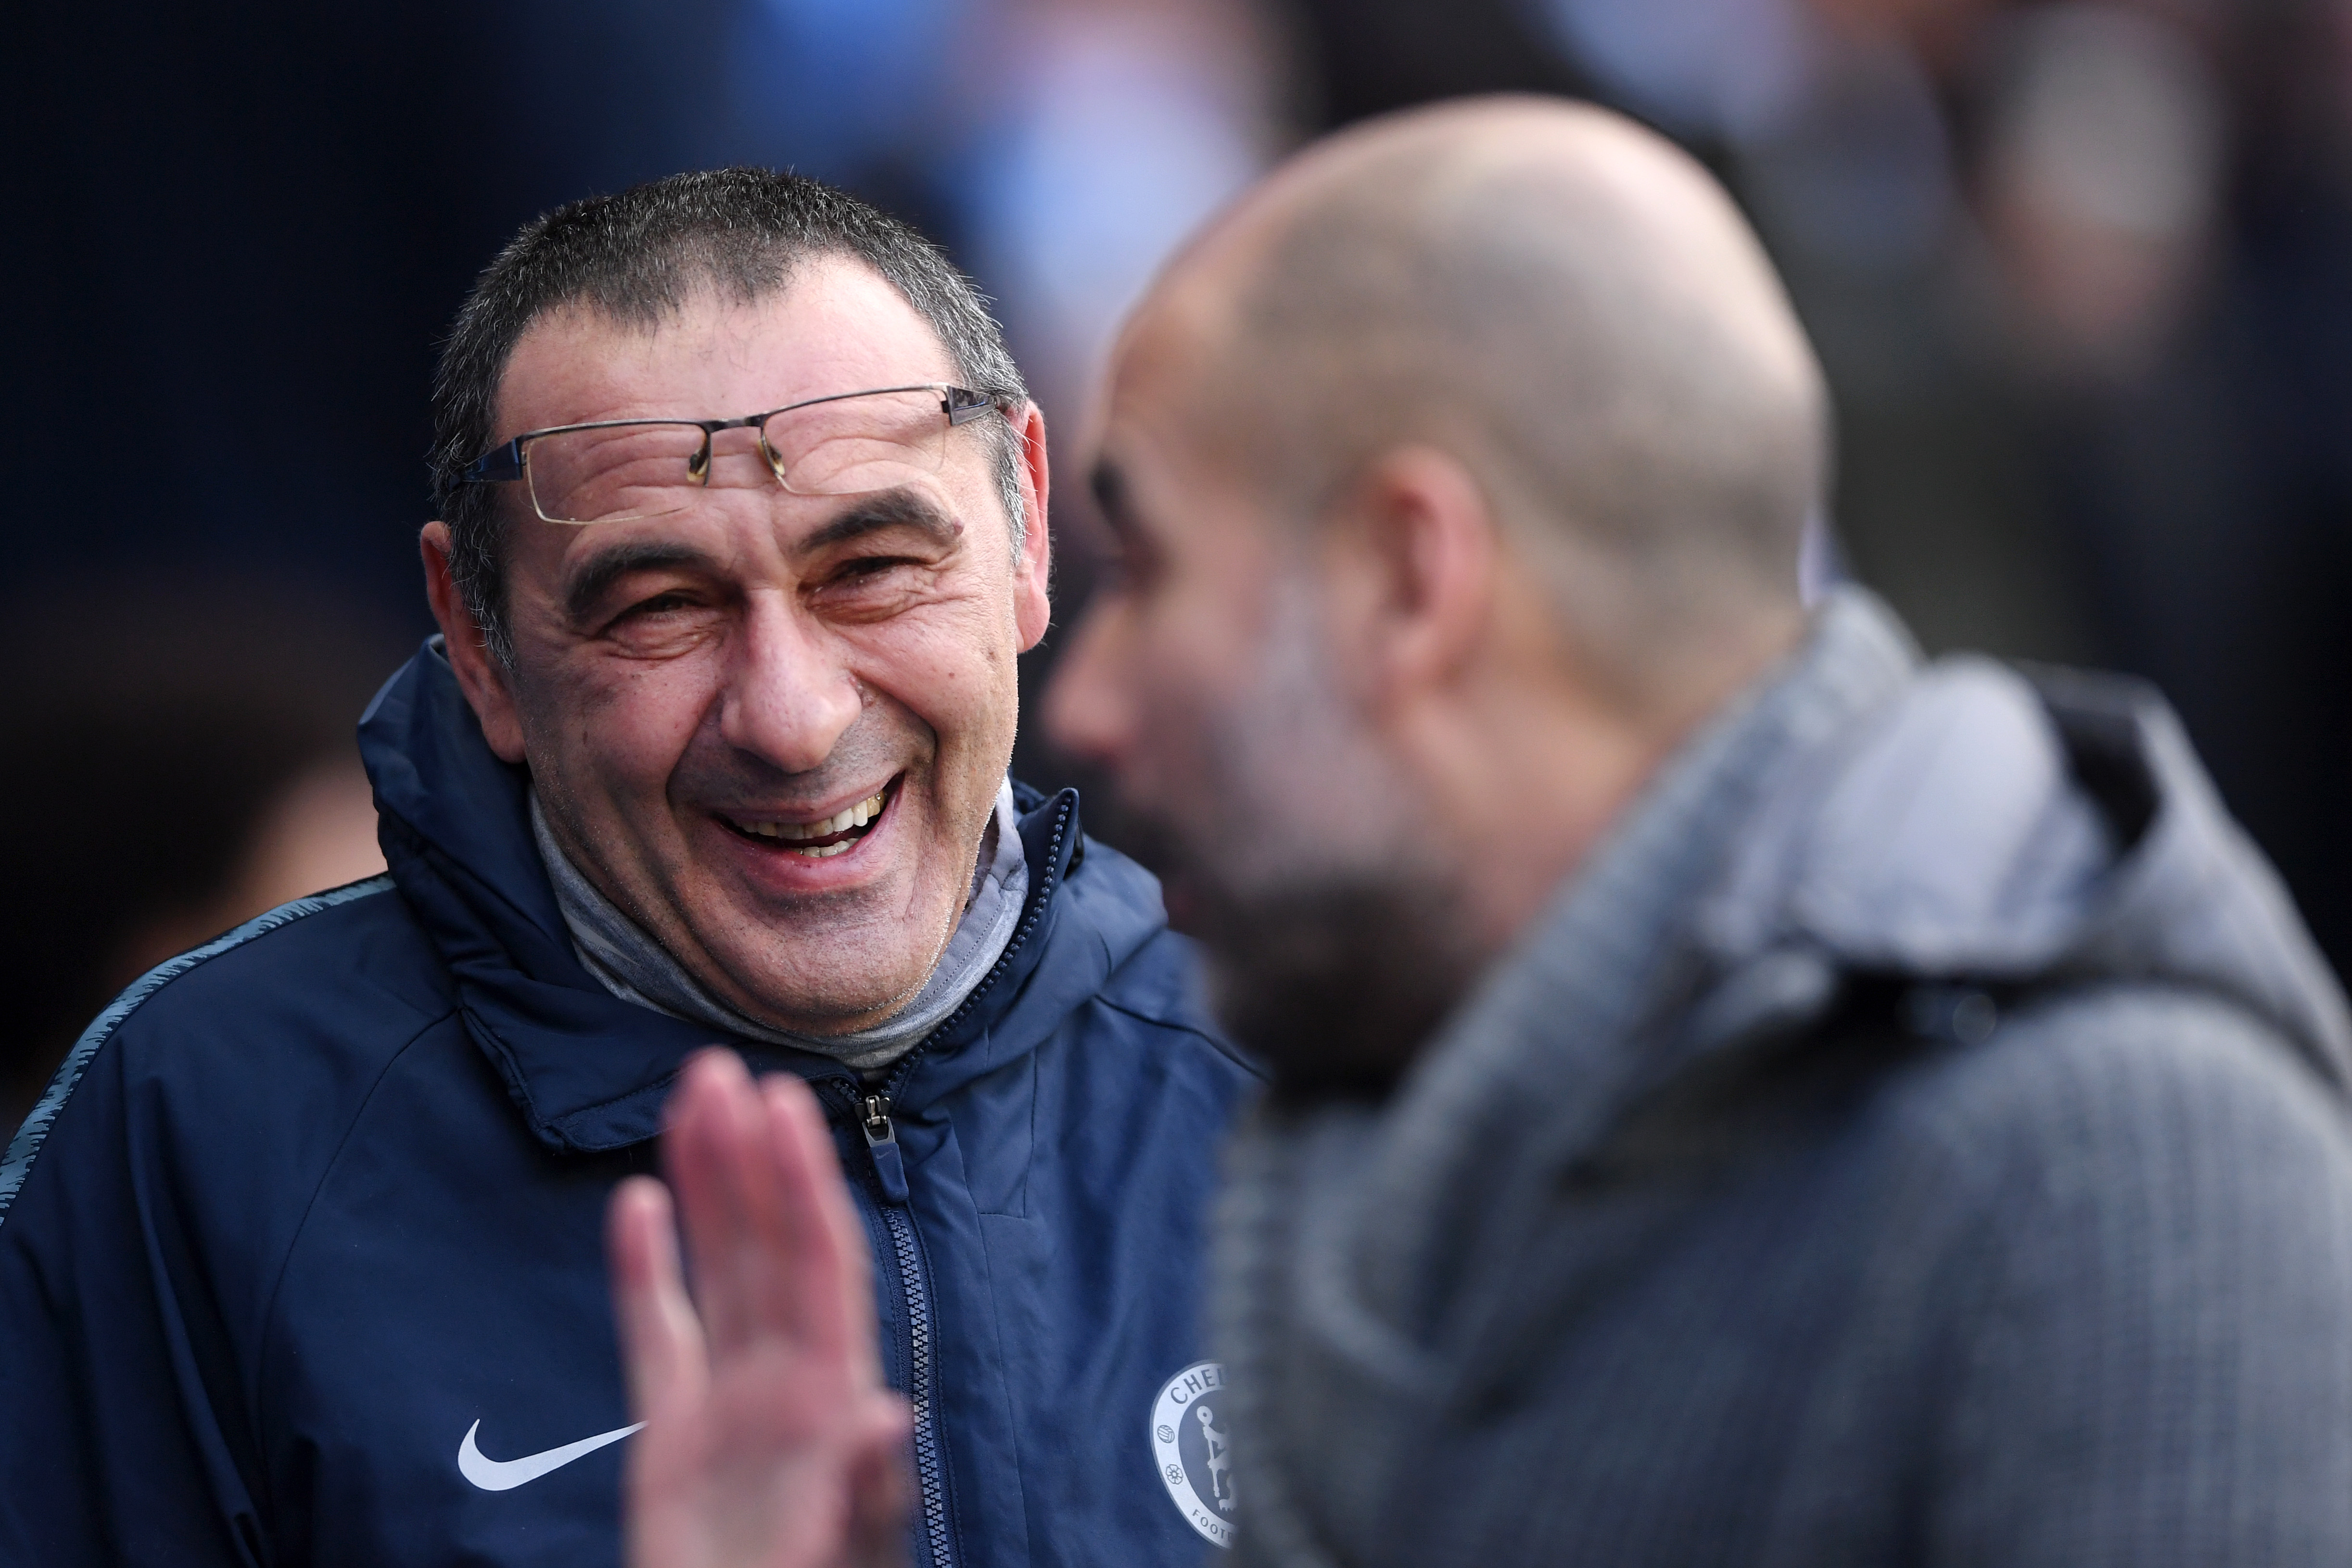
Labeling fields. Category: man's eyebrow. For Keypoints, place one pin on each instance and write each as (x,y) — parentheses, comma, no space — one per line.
(1115,502)
(1110,487)
(595,576)
(883,509)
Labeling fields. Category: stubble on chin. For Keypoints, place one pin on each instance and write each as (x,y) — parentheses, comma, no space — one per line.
(1301,858)
(1335,985)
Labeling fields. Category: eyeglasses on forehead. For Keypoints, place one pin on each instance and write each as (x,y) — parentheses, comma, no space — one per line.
(844,443)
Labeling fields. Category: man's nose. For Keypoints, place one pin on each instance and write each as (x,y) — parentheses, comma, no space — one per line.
(1090,705)
(788,694)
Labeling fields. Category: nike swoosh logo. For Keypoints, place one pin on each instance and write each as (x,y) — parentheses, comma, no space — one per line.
(505,1475)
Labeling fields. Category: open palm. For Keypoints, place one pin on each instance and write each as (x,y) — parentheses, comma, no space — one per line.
(769,1439)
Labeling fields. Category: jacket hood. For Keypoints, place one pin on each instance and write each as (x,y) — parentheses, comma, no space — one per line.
(2021,828)
(589,1070)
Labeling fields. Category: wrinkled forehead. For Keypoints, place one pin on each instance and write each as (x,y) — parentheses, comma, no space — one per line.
(835,326)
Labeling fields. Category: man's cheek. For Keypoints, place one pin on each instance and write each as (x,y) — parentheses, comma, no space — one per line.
(637,722)
(954,681)
(1174,747)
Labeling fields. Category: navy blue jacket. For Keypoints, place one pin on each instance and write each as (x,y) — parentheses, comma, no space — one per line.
(315,1208)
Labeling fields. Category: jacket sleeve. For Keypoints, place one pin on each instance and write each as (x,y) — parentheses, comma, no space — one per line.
(121,1441)
(2156,1368)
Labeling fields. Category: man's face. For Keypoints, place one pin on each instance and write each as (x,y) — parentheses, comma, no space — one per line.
(701,695)
(1203,678)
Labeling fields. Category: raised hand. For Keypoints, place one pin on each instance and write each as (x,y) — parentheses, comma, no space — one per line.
(769,1439)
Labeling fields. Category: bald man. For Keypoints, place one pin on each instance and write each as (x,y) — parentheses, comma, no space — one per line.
(1741,1097)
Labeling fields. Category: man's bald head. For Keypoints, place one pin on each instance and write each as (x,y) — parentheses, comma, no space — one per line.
(1564,299)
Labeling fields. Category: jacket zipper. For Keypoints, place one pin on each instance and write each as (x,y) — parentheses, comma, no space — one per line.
(906,1254)
(873,1108)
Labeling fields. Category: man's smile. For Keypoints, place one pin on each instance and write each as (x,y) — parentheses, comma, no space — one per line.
(826,836)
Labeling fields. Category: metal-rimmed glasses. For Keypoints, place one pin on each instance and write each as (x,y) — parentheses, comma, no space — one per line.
(617,470)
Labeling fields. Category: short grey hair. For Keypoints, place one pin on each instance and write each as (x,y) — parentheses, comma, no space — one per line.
(640,255)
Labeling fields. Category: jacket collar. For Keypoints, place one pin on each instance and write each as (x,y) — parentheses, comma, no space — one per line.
(590,1071)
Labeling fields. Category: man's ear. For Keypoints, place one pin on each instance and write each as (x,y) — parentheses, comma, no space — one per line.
(1032,571)
(1417,551)
(480,676)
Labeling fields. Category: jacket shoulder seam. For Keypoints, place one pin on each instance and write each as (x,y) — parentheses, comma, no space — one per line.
(326,1173)
(18,1164)
(1230,1052)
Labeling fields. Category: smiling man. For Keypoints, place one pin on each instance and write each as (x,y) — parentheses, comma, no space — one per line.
(743,532)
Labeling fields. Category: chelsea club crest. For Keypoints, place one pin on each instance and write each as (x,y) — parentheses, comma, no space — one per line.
(1189,1436)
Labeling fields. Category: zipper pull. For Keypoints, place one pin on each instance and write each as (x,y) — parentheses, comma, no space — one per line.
(882,1144)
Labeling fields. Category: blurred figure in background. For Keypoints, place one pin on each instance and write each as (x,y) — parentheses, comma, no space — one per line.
(180,758)
(1112,131)
(2169,190)
(1740,1095)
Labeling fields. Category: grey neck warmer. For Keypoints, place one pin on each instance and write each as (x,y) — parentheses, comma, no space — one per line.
(636,968)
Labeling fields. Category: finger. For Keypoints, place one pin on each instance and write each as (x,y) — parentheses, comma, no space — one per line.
(788,1268)
(880,1494)
(661,1339)
(835,1288)
(716,1127)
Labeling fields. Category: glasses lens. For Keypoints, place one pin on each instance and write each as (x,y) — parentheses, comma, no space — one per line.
(848,446)
(612,476)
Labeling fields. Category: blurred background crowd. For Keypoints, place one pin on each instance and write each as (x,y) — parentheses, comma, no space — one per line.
(2081,271)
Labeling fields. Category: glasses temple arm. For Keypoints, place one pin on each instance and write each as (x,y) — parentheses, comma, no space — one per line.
(498,465)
